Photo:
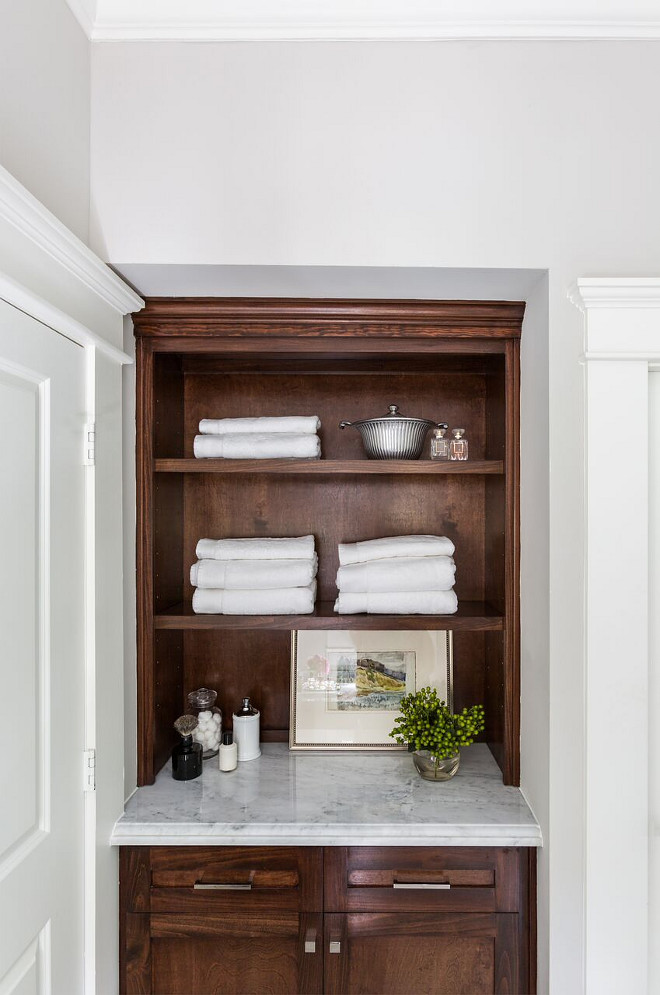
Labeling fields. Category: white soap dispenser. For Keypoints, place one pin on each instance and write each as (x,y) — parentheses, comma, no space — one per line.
(228,752)
(246,731)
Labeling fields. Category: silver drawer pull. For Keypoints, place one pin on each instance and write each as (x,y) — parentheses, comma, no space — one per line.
(335,946)
(222,887)
(310,941)
(421,887)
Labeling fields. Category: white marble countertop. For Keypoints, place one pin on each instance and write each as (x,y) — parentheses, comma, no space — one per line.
(330,799)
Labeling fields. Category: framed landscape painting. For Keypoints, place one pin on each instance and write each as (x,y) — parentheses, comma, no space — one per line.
(346,687)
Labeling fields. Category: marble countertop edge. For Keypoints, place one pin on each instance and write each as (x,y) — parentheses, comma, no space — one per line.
(214,834)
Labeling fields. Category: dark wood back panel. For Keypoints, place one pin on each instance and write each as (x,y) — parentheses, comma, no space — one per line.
(458,400)
(335,511)
(254,663)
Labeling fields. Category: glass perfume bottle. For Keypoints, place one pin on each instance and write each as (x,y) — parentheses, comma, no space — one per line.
(458,447)
(439,444)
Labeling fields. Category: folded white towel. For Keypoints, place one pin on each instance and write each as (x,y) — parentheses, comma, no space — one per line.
(246,575)
(398,573)
(406,603)
(285,601)
(253,446)
(300,548)
(380,549)
(298,424)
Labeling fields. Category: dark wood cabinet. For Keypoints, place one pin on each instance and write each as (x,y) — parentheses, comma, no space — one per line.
(221,920)
(224,954)
(421,953)
(294,919)
(446,361)
(253,920)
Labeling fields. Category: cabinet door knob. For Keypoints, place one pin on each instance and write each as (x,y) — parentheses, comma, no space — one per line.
(310,941)
(335,946)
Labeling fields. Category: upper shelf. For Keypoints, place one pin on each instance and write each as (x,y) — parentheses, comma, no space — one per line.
(330,466)
(471,616)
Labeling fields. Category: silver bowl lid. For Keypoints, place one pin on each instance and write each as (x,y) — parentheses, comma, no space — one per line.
(393,415)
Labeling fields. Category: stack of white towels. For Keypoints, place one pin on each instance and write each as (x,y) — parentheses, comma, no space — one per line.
(397,575)
(292,437)
(255,576)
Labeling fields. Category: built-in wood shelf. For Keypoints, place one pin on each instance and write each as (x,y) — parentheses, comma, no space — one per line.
(472,616)
(329,466)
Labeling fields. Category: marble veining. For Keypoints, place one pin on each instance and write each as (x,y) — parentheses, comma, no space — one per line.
(331,799)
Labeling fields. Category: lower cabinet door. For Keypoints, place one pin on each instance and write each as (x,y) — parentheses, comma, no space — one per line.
(202,954)
(421,954)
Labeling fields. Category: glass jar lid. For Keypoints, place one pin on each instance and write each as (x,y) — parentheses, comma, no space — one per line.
(202,698)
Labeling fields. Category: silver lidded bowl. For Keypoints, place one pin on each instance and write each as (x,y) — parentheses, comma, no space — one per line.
(393,436)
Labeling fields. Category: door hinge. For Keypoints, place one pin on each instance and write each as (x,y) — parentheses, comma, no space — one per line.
(89,454)
(89,770)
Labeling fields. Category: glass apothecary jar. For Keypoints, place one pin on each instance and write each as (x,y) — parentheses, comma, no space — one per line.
(209,730)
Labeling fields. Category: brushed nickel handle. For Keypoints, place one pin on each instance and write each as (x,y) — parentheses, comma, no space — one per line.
(222,887)
(421,886)
(335,946)
(310,941)
(345,424)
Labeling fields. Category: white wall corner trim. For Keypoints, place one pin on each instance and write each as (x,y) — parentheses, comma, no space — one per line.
(19,208)
(106,20)
(30,303)
(622,341)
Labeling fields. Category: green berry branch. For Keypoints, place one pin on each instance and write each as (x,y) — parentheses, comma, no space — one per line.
(426,723)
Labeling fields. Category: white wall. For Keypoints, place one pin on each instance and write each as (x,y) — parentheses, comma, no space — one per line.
(458,154)
(45,107)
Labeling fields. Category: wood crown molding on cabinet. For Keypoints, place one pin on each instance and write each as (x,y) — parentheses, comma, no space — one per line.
(337,20)
(301,317)
(21,209)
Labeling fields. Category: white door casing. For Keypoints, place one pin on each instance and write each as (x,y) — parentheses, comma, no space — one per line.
(622,344)
(42,657)
(654,681)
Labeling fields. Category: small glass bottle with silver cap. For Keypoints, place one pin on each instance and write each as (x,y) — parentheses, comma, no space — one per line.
(458,447)
(439,444)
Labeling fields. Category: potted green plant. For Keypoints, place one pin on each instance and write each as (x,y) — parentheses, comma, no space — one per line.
(433,734)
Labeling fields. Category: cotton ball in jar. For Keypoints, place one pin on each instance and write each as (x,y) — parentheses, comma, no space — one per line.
(209,718)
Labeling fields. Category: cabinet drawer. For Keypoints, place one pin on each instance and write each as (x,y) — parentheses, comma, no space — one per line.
(421,879)
(238,879)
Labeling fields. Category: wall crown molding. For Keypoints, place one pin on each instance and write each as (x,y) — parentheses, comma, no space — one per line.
(19,208)
(606,292)
(610,335)
(336,20)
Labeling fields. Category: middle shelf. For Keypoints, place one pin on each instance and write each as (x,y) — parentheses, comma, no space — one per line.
(472,616)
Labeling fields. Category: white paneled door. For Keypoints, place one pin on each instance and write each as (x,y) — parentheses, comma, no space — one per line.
(42,665)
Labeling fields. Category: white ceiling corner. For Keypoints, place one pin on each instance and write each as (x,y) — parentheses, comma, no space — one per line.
(258,20)
(85,13)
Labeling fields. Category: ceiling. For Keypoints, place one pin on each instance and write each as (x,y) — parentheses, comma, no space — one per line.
(254,20)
